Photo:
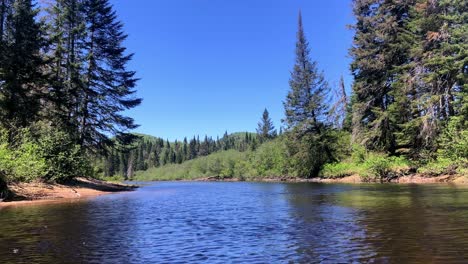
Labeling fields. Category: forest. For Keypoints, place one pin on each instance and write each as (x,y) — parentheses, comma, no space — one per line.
(65,84)
(407,112)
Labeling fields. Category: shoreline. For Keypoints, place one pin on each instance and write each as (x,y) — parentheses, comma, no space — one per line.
(47,193)
(82,188)
(353,179)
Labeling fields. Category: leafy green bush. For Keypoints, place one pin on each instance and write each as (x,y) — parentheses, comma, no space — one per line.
(359,153)
(23,162)
(452,155)
(453,141)
(63,158)
(270,159)
(378,168)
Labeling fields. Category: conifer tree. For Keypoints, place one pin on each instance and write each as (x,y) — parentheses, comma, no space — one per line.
(22,81)
(266,129)
(306,112)
(305,103)
(381,45)
(92,86)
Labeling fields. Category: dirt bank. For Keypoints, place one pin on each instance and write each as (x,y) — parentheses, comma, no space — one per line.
(413,178)
(80,188)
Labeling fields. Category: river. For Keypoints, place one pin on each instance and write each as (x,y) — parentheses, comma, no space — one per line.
(220,222)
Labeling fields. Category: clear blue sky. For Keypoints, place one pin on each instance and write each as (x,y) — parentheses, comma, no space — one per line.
(212,66)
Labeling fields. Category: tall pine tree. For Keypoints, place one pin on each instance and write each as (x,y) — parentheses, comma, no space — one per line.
(306,112)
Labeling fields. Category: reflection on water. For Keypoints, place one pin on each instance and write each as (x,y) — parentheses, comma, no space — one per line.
(245,222)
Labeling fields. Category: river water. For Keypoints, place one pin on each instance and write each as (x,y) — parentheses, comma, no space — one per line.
(204,222)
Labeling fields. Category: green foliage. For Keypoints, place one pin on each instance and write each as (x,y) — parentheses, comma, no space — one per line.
(370,166)
(309,152)
(265,129)
(437,167)
(151,152)
(452,155)
(22,163)
(269,160)
(64,158)
(453,141)
(378,168)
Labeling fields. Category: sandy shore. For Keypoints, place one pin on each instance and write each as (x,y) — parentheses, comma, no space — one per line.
(413,178)
(80,188)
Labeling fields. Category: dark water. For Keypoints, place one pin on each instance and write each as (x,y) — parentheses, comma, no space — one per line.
(245,223)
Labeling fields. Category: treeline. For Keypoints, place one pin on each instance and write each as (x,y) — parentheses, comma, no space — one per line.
(407,113)
(410,66)
(151,152)
(408,104)
(409,96)
(63,86)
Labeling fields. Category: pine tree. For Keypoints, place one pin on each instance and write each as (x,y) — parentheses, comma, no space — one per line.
(381,45)
(92,86)
(22,81)
(438,69)
(266,129)
(306,112)
(108,85)
(304,105)
(67,25)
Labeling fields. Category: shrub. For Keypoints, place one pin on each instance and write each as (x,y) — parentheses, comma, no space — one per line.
(270,159)
(453,141)
(378,167)
(63,158)
(22,162)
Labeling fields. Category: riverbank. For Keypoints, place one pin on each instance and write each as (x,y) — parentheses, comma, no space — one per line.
(79,188)
(406,179)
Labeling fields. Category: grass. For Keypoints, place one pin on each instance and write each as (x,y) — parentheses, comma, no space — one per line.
(369,166)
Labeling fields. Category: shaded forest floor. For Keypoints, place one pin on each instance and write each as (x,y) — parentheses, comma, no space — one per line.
(79,188)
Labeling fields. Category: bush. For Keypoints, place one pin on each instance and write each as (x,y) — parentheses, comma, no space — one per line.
(64,159)
(270,159)
(22,162)
(452,156)
(378,168)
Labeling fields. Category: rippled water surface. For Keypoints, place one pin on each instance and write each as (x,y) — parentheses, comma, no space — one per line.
(244,223)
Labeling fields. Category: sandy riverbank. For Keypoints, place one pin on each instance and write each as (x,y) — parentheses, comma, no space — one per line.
(413,178)
(80,188)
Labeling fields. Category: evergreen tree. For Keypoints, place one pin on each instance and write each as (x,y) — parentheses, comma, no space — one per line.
(306,112)
(304,105)
(66,25)
(438,69)
(265,129)
(381,45)
(92,86)
(21,79)
(193,148)
(108,85)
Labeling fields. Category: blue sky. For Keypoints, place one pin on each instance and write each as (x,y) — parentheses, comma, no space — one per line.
(211,66)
